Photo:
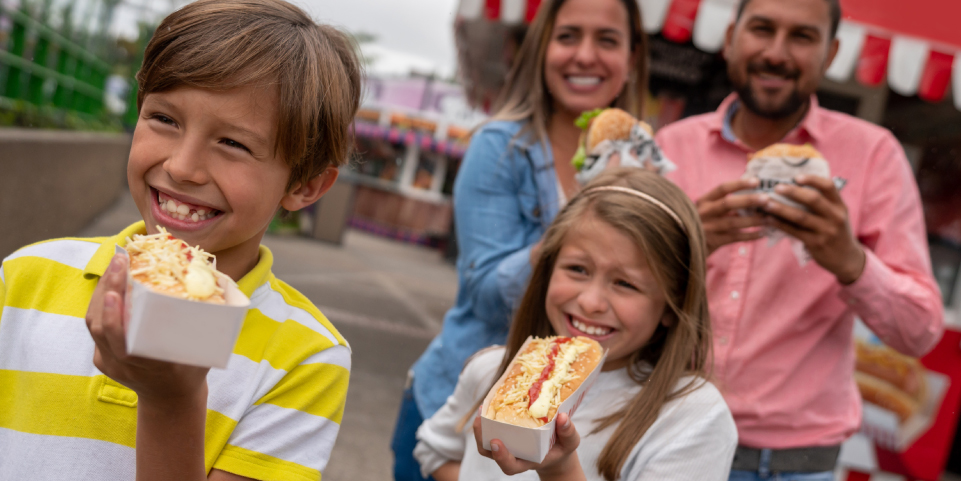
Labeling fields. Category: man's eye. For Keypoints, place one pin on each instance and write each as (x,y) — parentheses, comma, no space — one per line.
(235,144)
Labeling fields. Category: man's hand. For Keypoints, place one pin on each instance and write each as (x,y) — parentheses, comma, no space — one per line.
(151,380)
(561,463)
(719,214)
(825,230)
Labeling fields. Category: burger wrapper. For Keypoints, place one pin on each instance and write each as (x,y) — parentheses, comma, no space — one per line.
(177,330)
(770,175)
(532,444)
(639,151)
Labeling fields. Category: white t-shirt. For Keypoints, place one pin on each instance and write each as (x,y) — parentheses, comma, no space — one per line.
(693,438)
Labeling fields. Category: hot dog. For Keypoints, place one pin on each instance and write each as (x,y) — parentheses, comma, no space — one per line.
(170,266)
(889,379)
(541,377)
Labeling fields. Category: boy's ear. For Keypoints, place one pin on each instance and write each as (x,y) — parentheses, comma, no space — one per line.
(304,194)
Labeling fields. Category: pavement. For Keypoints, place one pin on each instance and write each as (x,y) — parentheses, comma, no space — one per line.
(386,298)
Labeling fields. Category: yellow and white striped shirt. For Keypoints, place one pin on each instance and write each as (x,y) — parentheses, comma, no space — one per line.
(274,413)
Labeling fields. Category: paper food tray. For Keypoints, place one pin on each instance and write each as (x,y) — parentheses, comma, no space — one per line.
(177,330)
(532,444)
(884,427)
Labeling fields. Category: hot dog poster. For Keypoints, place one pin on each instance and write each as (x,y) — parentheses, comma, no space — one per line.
(910,407)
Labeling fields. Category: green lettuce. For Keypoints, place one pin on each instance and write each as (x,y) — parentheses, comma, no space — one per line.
(579,157)
(585,119)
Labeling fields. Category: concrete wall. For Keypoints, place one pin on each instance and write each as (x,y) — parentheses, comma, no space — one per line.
(52,183)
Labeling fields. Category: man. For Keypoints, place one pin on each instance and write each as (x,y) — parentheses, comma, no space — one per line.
(783,330)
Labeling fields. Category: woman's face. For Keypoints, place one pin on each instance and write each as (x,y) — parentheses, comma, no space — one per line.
(589,56)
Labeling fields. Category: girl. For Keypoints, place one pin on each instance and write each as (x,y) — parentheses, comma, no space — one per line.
(577,55)
(624,264)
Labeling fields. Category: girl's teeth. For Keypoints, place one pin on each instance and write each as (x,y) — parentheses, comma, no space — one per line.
(591,330)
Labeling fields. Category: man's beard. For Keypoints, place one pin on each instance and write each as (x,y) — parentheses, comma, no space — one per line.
(795,101)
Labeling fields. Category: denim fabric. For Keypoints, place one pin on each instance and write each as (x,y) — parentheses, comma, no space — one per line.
(406,467)
(505,196)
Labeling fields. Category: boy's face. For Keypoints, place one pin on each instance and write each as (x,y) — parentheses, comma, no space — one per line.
(203,166)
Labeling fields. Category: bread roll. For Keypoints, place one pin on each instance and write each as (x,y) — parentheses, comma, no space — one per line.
(558,372)
(781,163)
(612,124)
(885,395)
(903,372)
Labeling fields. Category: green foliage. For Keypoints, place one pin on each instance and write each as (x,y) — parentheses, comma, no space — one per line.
(18,113)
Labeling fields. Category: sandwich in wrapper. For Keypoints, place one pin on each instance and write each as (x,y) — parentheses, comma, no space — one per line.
(547,376)
(607,132)
(781,164)
(179,307)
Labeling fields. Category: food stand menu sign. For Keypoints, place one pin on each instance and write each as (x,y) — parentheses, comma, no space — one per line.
(910,408)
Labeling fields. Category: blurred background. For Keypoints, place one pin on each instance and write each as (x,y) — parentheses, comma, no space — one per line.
(375,254)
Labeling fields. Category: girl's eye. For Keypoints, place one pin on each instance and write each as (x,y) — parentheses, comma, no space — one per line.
(235,144)
(623,283)
(576,269)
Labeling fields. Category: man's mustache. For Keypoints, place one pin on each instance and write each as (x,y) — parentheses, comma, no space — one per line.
(768,68)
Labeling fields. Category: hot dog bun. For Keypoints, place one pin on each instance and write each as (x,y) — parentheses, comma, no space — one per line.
(512,402)
(890,379)
(883,394)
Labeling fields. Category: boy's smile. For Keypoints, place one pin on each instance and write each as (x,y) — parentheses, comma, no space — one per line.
(203,165)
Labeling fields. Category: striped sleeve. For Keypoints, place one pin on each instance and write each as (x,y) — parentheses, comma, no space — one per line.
(288,433)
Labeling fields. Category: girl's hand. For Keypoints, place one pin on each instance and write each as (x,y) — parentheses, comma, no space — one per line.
(561,462)
(153,381)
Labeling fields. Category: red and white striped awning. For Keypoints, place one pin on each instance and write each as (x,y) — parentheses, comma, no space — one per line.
(915,45)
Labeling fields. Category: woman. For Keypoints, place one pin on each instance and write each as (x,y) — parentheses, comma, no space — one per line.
(578,55)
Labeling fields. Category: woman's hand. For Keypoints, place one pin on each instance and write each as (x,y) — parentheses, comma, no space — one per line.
(153,381)
(561,462)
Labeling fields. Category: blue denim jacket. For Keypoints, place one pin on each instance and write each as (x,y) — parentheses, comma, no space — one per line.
(505,196)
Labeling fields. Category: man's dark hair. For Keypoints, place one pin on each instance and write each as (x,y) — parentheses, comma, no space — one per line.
(833,5)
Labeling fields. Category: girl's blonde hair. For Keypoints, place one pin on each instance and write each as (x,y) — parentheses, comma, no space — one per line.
(525,95)
(675,254)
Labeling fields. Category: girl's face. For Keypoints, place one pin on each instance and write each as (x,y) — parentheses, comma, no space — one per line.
(589,55)
(602,288)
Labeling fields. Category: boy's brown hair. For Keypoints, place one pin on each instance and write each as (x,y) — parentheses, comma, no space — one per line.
(224,44)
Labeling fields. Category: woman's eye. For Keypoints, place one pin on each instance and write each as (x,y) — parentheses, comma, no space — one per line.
(235,144)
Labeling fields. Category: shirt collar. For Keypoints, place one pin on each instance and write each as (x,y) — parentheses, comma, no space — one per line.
(809,125)
(98,264)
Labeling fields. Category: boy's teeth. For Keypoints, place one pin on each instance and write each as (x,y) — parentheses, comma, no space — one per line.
(183,212)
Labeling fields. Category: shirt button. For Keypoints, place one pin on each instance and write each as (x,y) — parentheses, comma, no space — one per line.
(742,251)
(723,341)
(735,294)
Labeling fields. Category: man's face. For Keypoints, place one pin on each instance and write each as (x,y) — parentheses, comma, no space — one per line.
(777,53)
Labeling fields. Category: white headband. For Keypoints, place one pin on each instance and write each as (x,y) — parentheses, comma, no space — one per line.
(637,193)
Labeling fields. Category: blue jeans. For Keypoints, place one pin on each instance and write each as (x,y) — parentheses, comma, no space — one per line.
(764,473)
(406,467)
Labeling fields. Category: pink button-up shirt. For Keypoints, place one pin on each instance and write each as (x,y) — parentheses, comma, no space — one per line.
(783,348)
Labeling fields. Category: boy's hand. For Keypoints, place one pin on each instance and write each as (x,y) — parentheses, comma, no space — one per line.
(153,381)
(561,462)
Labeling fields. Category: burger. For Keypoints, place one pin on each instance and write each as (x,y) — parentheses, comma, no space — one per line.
(607,132)
(780,164)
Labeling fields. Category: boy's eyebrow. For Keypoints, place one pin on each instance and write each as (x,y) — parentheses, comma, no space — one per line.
(250,133)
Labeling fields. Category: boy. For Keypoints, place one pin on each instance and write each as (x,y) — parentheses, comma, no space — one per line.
(244,109)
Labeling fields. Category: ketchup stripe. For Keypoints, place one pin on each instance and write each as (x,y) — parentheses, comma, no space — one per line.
(534,392)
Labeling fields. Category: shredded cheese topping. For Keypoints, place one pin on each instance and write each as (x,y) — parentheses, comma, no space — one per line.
(170,265)
(532,363)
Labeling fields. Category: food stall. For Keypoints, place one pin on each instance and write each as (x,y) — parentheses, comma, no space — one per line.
(899,66)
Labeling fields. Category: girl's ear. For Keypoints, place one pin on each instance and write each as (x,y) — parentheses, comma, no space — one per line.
(304,194)
(668,319)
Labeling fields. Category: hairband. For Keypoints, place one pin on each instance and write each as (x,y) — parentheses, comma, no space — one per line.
(637,193)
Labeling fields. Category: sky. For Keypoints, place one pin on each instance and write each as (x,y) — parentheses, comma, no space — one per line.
(410,34)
